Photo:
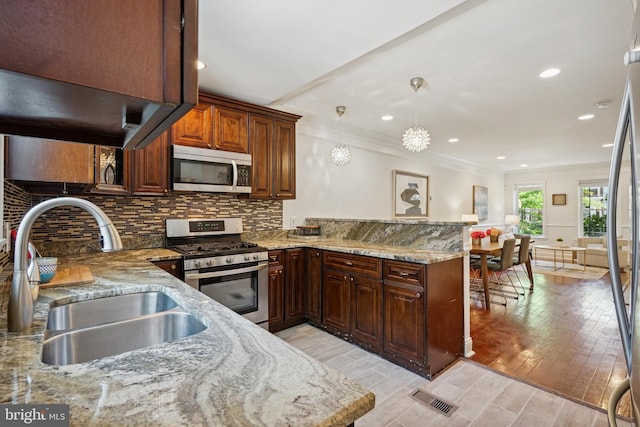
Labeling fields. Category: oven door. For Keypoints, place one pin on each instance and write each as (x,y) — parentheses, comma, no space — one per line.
(243,288)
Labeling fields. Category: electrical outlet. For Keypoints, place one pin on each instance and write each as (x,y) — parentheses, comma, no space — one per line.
(292,222)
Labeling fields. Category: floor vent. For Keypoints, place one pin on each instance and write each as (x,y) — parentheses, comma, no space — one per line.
(433,402)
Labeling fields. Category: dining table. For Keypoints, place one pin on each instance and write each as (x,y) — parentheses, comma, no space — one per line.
(487,249)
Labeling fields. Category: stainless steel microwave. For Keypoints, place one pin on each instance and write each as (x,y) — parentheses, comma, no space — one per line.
(205,170)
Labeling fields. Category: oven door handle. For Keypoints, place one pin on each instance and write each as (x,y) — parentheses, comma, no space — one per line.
(192,276)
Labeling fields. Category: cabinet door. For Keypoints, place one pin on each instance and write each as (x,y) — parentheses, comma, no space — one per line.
(313,285)
(445,313)
(230,129)
(261,147)
(285,160)
(293,290)
(276,298)
(336,302)
(48,160)
(194,128)
(366,310)
(404,323)
(151,168)
(173,266)
(112,170)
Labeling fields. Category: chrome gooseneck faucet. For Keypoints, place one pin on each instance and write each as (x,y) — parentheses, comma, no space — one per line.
(23,294)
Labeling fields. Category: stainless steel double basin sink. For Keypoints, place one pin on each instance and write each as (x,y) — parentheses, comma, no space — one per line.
(92,329)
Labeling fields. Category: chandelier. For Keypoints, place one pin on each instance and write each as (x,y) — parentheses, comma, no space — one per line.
(340,154)
(416,138)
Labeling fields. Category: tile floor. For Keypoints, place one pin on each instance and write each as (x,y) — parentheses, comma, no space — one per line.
(483,397)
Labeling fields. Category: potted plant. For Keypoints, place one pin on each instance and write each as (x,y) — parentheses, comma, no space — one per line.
(477,236)
(493,234)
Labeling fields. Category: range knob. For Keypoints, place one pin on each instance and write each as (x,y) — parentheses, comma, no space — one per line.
(229,259)
(255,257)
(208,262)
(247,257)
(196,264)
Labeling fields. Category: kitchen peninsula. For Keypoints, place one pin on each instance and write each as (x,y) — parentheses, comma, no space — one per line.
(394,287)
(232,373)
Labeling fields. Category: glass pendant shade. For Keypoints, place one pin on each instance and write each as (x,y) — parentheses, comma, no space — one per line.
(416,138)
(340,154)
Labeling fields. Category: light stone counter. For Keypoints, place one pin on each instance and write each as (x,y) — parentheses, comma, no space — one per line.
(400,253)
(232,374)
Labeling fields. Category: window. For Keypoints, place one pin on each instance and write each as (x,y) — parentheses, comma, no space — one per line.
(594,208)
(529,204)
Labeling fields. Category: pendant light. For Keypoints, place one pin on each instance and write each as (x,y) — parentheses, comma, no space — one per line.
(340,154)
(416,138)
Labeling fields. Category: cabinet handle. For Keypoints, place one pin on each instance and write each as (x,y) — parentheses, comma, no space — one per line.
(351,279)
(279,271)
(173,267)
(344,277)
(418,295)
(348,263)
(277,194)
(403,273)
(208,145)
(273,258)
(166,190)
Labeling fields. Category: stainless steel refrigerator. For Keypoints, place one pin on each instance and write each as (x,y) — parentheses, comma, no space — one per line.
(625,157)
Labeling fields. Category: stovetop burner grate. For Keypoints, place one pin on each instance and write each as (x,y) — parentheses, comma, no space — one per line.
(215,248)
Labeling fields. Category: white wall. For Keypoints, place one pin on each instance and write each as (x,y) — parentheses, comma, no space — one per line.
(564,221)
(363,188)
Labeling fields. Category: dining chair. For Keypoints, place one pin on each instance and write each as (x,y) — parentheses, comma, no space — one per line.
(521,259)
(499,267)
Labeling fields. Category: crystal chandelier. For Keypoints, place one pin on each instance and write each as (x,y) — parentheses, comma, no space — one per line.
(340,154)
(416,138)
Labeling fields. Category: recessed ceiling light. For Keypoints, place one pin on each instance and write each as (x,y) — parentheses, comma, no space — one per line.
(586,117)
(453,140)
(501,157)
(387,117)
(200,65)
(524,165)
(549,73)
(603,104)
(607,145)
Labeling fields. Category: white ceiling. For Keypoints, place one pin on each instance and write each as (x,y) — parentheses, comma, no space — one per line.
(480,60)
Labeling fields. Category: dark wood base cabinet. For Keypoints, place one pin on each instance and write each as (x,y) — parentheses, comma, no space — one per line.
(410,313)
(286,293)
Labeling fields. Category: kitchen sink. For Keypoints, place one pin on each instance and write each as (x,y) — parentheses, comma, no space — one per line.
(88,330)
(93,312)
(95,342)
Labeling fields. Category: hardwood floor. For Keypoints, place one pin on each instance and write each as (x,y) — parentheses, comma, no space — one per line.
(563,336)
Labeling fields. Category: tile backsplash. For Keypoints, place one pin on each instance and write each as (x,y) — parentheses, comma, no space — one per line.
(140,220)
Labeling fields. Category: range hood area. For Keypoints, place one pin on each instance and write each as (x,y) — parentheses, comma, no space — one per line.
(105,72)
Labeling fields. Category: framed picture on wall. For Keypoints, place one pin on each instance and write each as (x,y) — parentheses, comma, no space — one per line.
(559,199)
(481,202)
(410,195)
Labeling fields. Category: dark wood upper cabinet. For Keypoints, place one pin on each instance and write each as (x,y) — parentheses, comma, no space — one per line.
(230,129)
(36,159)
(194,128)
(151,168)
(102,72)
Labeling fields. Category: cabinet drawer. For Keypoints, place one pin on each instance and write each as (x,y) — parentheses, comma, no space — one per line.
(353,263)
(276,257)
(407,273)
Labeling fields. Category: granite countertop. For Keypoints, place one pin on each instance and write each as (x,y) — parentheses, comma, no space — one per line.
(400,253)
(234,373)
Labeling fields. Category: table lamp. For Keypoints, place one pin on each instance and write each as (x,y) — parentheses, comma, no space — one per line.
(469,218)
(512,220)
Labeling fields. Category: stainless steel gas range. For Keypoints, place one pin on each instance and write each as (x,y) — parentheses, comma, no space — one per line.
(220,265)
